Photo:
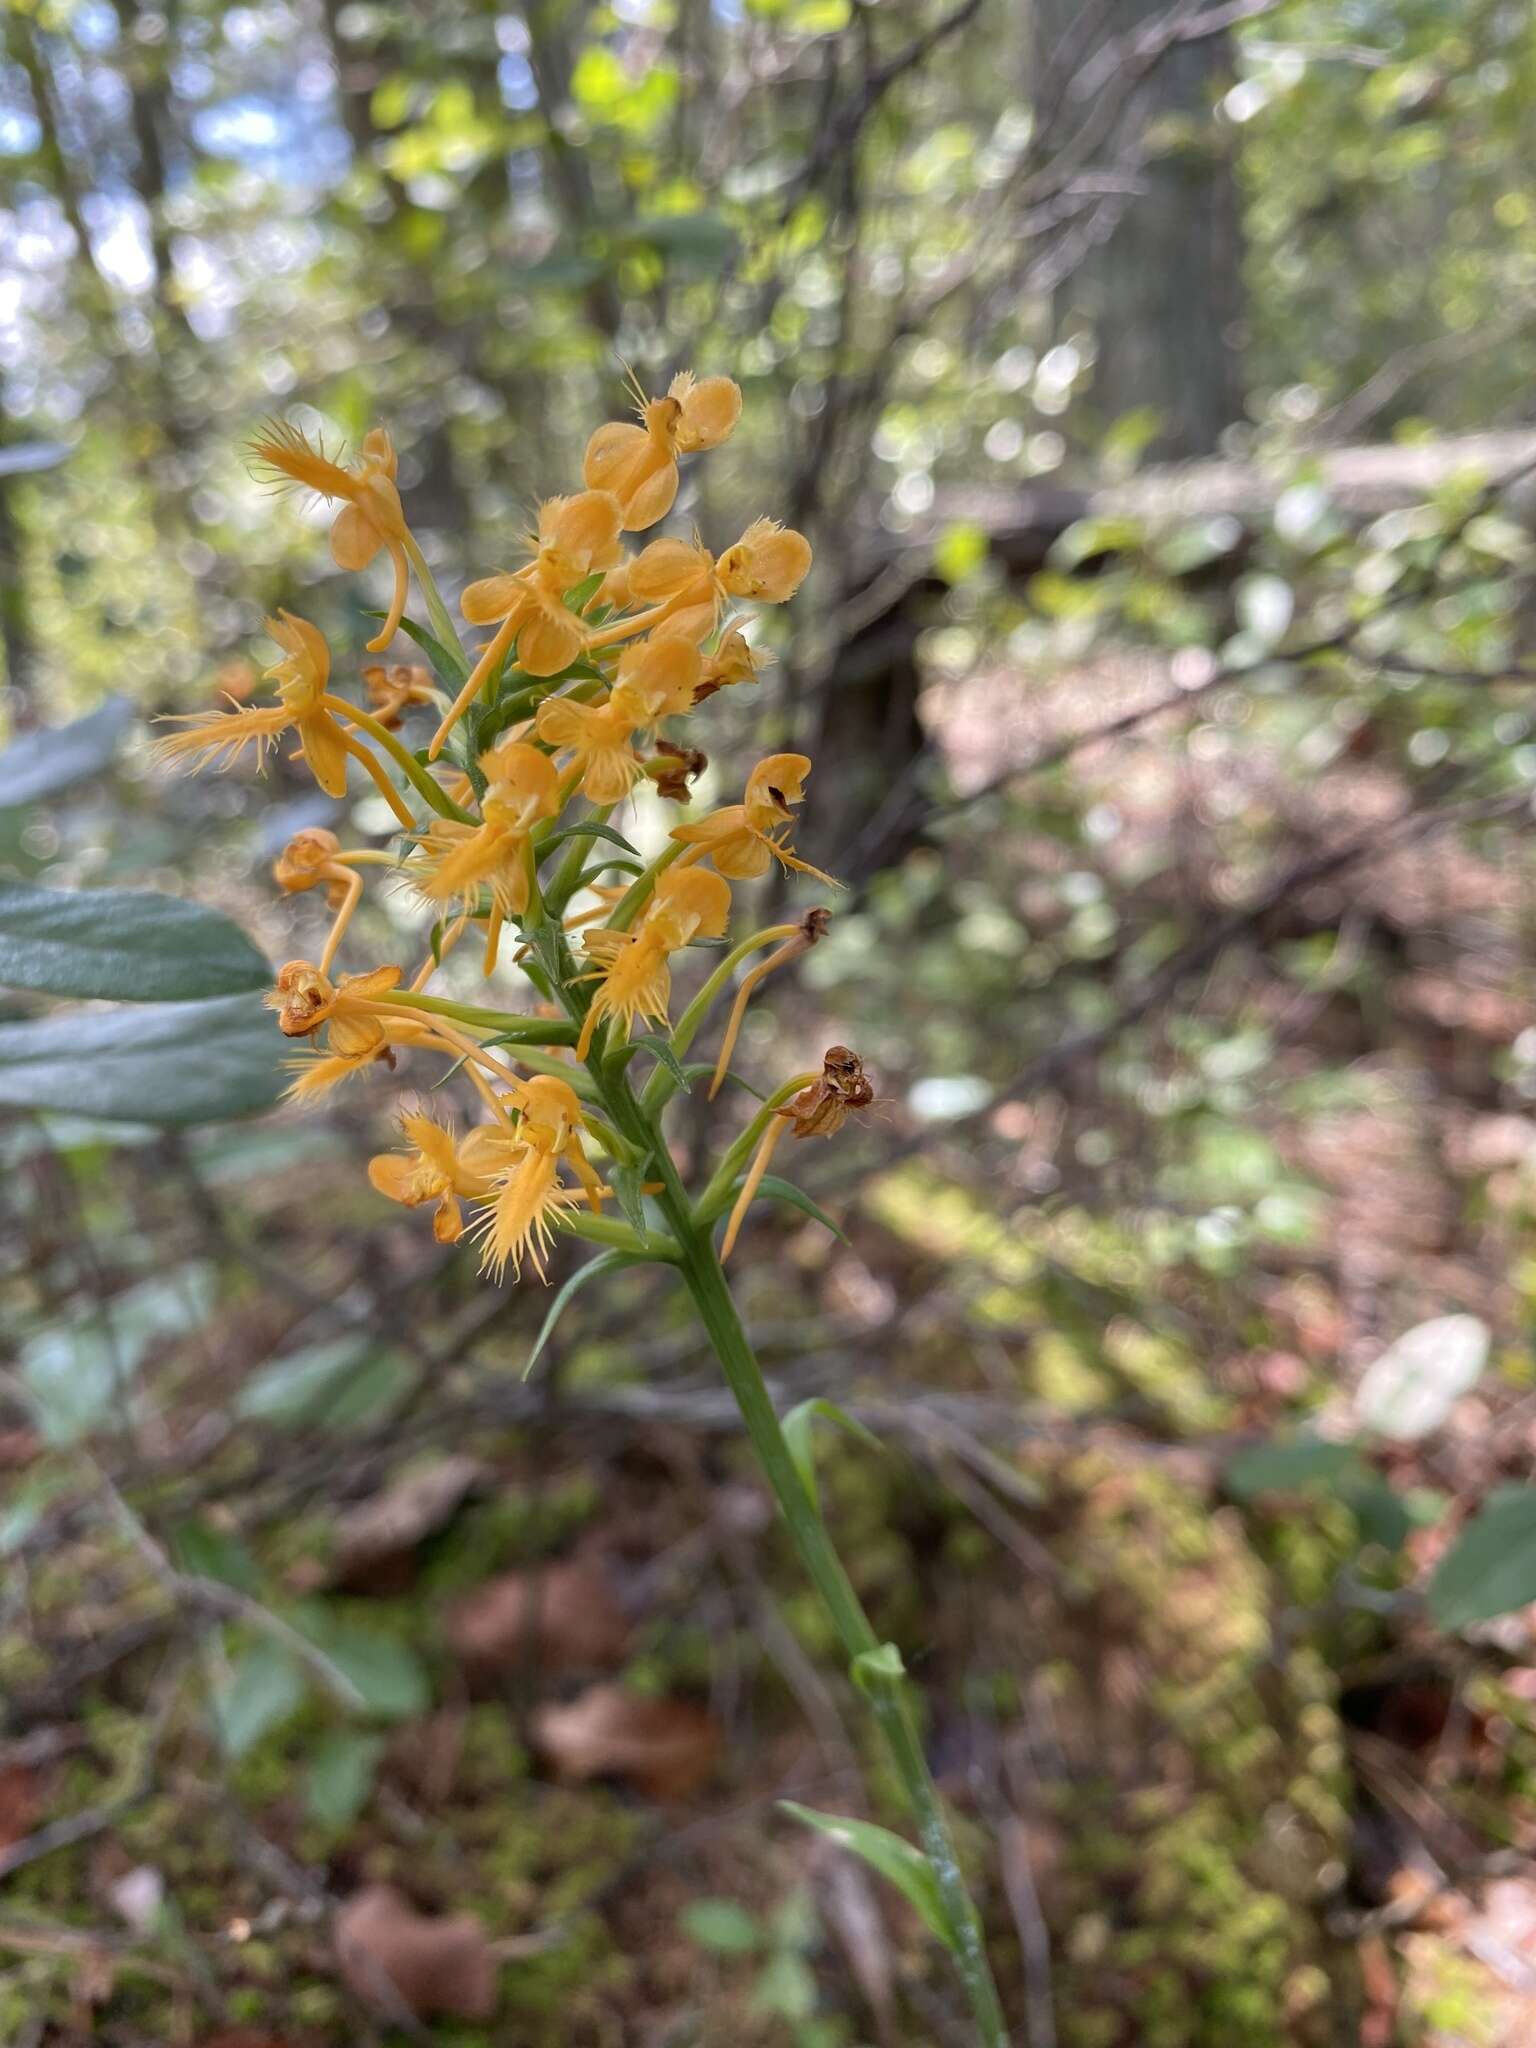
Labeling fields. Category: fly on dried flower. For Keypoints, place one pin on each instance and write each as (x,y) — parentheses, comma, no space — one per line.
(819,1110)
(371,518)
(741,839)
(673,769)
(639,464)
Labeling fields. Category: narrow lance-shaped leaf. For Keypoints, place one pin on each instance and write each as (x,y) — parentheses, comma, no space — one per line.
(798,1425)
(890,1857)
(605,1262)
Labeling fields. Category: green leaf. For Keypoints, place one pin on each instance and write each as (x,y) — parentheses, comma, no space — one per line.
(591,830)
(1087,538)
(1288,1467)
(132,944)
(337,1385)
(891,1858)
(164,1063)
(797,1427)
(42,763)
(443,659)
(721,1925)
(605,1262)
(786,1987)
(341,1774)
(777,1190)
(660,1047)
(389,1676)
(960,550)
(626,1182)
(80,1374)
(264,1689)
(1491,1567)
(207,1552)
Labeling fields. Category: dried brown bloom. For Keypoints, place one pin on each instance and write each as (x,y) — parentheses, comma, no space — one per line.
(683,766)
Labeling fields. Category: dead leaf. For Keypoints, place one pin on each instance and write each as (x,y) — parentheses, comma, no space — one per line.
(561,1617)
(375,1542)
(392,1955)
(664,1748)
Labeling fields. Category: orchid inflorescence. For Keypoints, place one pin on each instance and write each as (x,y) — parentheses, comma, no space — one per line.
(567,712)
(569,709)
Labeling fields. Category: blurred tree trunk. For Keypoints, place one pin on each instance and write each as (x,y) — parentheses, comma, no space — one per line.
(1160,278)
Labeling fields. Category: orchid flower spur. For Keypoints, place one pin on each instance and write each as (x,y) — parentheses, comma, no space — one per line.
(577,705)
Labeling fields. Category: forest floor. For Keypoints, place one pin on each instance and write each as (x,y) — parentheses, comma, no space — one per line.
(1216,1774)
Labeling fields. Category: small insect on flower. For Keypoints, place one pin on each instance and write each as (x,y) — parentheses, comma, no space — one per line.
(636,975)
(526,1192)
(438,1167)
(221,737)
(371,517)
(639,464)
(741,839)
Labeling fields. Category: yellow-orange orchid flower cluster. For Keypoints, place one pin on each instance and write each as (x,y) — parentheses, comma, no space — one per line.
(567,711)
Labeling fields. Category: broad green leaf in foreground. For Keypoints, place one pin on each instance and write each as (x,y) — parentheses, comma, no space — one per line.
(1491,1567)
(164,1063)
(887,1854)
(42,763)
(132,944)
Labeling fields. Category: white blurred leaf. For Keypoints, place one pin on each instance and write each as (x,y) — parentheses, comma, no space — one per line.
(1416,1382)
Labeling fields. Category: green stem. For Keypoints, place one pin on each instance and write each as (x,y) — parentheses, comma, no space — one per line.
(889,1699)
(661,1087)
(437,611)
(505,1023)
(426,785)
